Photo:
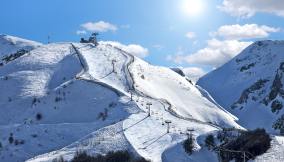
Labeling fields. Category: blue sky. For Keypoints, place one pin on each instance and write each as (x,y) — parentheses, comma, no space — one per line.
(158,25)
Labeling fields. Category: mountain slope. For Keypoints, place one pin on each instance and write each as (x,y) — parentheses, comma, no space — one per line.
(275,153)
(10,44)
(251,85)
(13,47)
(146,134)
(71,96)
(44,101)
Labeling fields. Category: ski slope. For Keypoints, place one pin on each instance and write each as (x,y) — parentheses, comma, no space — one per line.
(64,97)
(121,71)
(186,100)
(177,153)
(46,81)
(98,142)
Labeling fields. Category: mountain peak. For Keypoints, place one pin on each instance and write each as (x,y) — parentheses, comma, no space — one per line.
(251,84)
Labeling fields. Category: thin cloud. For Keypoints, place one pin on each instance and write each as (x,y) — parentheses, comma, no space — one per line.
(127,26)
(247,31)
(190,35)
(248,8)
(158,46)
(227,42)
(134,49)
(81,32)
(194,73)
(100,26)
(215,54)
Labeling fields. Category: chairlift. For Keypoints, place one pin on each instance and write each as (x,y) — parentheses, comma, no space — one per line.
(168,123)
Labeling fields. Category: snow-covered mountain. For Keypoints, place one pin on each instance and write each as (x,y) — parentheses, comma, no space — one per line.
(10,45)
(59,98)
(13,47)
(250,86)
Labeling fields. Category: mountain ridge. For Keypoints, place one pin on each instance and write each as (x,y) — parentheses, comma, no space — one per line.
(251,83)
(61,87)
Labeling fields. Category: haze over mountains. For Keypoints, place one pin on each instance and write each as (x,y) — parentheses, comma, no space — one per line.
(59,98)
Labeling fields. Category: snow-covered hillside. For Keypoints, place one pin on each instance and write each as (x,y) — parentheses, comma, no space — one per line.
(12,48)
(45,103)
(250,86)
(64,97)
(275,153)
(10,44)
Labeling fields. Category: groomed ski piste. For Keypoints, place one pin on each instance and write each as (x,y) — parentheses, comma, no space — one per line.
(45,106)
(172,97)
(83,95)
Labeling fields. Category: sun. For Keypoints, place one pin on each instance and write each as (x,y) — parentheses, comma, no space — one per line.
(192,7)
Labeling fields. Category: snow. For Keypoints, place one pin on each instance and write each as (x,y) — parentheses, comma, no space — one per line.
(186,99)
(92,57)
(40,138)
(45,82)
(227,83)
(275,153)
(10,44)
(177,153)
(152,138)
(105,64)
(74,85)
(103,140)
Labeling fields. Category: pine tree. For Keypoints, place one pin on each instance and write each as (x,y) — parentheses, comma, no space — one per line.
(11,139)
(279,125)
(209,142)
(188,145)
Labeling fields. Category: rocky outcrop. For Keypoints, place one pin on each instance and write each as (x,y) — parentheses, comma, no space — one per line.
(276,90)
(245,95)
(179,71)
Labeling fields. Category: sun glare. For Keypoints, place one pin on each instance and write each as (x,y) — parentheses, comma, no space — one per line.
(192,7)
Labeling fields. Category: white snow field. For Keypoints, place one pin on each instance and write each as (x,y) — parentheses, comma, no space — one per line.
(275,153)
(177,153)
(10,44)
(45,105)
(250,84)
(184,99)
(66,97)
(140,133)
